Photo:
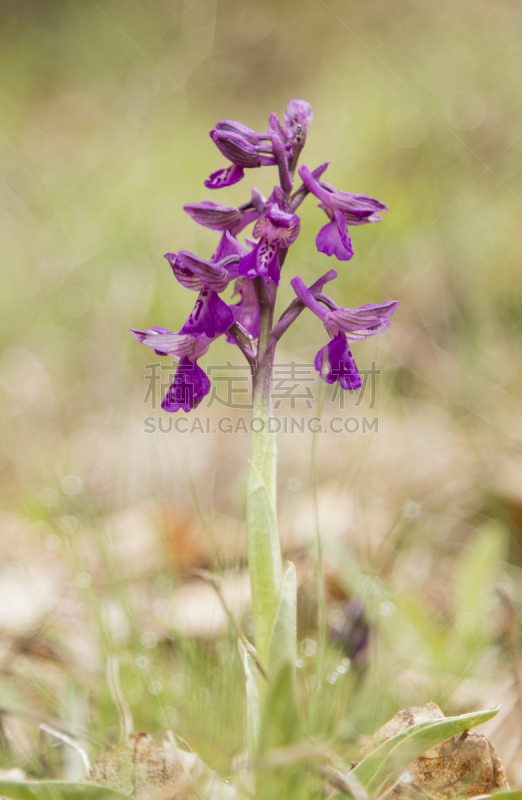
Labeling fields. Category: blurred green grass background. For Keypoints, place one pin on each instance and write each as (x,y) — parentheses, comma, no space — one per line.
(105,109)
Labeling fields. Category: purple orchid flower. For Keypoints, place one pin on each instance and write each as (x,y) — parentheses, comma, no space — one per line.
(274,230)
(335,362)
(228,247)
(246,312)
(243,147)
(231,126)
(220,218)
(190,384)
(298,117)
(211,316)
(343,209)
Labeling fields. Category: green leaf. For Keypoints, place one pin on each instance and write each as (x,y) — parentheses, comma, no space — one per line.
(283,641)
(501,794)
(252,698)
(280,724)
(383,767)
(507,794)
(57,790)
(280,727)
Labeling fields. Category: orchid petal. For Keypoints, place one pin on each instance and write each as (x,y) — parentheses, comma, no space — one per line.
(246,312)
(220,218)
(213,215)
(306,297)
(227,247)
(165,342)
(355,203)
(262,261)
(313,185)
(335,362)
(210,316)
(361,323)
(334,239)
(238,128)
(300,110)
(188,388)
(358,218)
(298,197)
(258,201)
(266,161)
(275,125)
(278,226)
(225,177)
(195,274)
(298,117)
(296,306)
(236,148)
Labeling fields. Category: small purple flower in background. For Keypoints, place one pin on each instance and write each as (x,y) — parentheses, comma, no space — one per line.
(335,362)
(255,264)
(275,230)
(351,630)
(343,209)
(190,384)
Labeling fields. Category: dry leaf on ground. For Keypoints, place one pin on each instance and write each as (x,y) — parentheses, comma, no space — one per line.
(150,770)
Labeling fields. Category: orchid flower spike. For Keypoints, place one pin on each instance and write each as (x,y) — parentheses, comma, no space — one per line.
(254,265)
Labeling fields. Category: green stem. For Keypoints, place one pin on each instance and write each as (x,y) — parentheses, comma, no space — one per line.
(264,550)
(321,597)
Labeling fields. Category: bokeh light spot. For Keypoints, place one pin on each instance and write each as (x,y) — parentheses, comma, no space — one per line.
(71,484)
(465,110)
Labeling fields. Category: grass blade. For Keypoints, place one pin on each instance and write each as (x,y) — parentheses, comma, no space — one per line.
(252,698)
(57,790)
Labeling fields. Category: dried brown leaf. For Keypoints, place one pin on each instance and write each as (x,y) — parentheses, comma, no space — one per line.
(150,770)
